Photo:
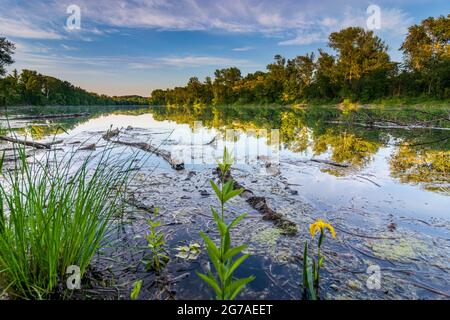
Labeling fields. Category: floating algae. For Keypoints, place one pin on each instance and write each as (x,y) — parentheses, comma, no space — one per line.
(268,237)
(402,250)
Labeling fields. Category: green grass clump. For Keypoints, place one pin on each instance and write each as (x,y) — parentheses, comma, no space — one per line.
(54,214)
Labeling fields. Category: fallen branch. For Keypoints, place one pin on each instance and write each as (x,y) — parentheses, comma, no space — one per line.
(211,142)
(332,163)
(37,145)
(423,286)
(386,126)
(177,165)
(51,116)
(371,181)
(260,204)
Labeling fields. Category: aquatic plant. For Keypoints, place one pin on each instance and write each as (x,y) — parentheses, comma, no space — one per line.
(136,290)
(225,285)
(156,243)
(311,267)
(189,252)
(54,214)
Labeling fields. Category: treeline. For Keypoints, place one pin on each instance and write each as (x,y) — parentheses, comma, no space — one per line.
(360,70)
(32,88)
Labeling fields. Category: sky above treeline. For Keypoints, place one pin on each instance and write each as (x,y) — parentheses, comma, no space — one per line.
(132,47)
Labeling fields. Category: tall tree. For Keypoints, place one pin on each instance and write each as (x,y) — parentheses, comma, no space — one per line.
(6,51)
(361,57)
(427,42)
(359,52)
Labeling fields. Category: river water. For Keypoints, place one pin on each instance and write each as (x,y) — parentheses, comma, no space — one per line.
(386,191)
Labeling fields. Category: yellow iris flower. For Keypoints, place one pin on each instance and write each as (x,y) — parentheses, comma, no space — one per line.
(321,225)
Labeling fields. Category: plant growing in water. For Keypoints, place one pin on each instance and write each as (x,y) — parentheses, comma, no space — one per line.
(136,290)
(311,267)
(225,285)
(189,252)
(53,214)
(156,242)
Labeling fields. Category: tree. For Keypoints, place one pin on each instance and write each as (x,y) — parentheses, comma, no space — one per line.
(299,77)
(426,51)
(427,42)
(325,76)
(360,54)
(6,51)
(274,81)
(225,80)
(360,69)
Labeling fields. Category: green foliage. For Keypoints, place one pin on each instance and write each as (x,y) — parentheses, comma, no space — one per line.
(32,88)
(136,290)
(308,276)
(156,243)
(223,257)
(54,214)
(6,51)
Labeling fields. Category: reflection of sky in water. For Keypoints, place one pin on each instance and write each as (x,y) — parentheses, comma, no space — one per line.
(325,190)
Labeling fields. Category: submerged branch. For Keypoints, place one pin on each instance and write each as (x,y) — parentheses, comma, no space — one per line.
(51,116)
(37,145)
(177,165)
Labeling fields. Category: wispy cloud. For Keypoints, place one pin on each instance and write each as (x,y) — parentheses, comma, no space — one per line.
(297,22)
(195,61)
(242,49)
(394,22)
(24,29)
(305,39)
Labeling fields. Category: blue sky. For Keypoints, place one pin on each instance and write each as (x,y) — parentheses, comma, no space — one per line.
(132,47)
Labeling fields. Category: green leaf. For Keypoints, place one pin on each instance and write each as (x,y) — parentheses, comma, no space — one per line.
(215,215)
(210,245)
(136,290)
(234,251)
(307,274)
(211,282)
(231,194)
(2,159)
(216,189)
(236,264)
(236,221)
(237,286)
(320,262)
(226,241)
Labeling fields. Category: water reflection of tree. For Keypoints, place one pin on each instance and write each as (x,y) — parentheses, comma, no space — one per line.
(299,131)
(345,147)
(427,167)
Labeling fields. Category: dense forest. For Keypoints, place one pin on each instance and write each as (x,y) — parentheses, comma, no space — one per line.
(31,88)
(360,70)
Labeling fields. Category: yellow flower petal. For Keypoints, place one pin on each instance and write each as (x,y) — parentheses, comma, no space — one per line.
(321,226)
(312,229)
(330,227)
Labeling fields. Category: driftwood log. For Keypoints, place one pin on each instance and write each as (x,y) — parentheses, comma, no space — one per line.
(51,116)
(331,163)
(37,145)
(177,165)
(260,204)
